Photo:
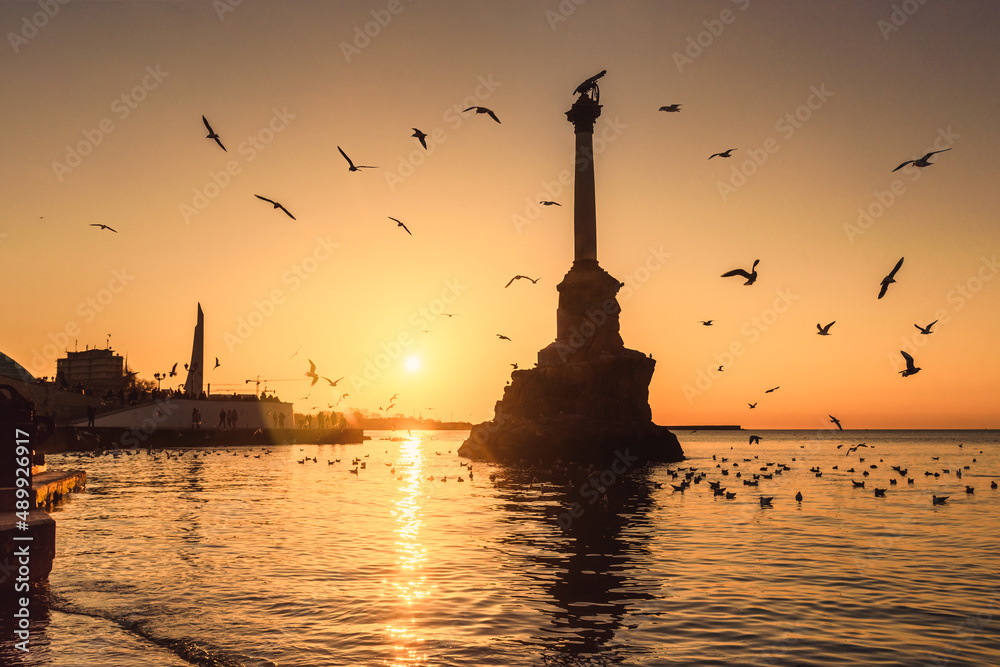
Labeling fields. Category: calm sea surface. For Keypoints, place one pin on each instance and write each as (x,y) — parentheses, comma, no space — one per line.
(238,557)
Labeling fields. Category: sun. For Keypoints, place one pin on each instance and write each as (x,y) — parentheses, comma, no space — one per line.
(412,364)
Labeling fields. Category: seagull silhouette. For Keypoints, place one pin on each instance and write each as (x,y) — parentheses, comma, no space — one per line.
(518,277)
(484,110)
(825,331)
(921,162)
(349,162)
(751,277)
(771,389)
(549,203)
(95,224)
(707,323)
(725,153)
(333,383)
(421,137)
(276,205)
(673,107)
(212,134)
(752,405)
(891,278)
(834,420)
(754,439)
(502,337)
(927,329)
(312,373)
(173,371)
(217,364)
(910,368)
(400,224)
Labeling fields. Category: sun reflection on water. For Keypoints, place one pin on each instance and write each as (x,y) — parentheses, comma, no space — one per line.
(410,585)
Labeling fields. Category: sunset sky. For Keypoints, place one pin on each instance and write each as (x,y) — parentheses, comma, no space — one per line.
(102,112)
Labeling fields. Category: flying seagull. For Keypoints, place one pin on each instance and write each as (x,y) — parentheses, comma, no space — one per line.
(771,389)
(95,224)
(400,224)
(333,383)
(910,368)
(927,329)
(212,134)
(484,110)
(673,107)
(725,153)
(173,371)
(549,203)
(834,420)
(921,162)
(825,331)
(754,439)
(752,405)
(217,364)
(421,137)
(312,373)
(587,85)
(276,205)
(751,277)
(891,278)
(502,337)
(352,167)
(518,277)
(707,323)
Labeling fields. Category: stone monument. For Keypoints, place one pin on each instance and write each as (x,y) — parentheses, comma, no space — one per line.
(588,396)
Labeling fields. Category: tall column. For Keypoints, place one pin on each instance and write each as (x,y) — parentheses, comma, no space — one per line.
(194,383)
(583,114)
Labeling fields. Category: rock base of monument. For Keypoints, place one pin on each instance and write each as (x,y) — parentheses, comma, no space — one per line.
(570,438)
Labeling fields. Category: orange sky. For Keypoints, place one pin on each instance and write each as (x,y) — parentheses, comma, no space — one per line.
(822,100)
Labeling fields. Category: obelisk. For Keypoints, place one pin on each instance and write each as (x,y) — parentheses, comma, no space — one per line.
(193,386)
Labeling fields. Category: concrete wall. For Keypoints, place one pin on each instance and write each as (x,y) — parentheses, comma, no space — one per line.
(176,413)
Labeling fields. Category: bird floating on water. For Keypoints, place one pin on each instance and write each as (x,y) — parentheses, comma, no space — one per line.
(889,279)
(751,276)
(922,161)
(824,331)
(939,500)
(276,205)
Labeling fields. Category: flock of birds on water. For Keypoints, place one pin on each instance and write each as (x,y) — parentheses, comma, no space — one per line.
(746,471)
